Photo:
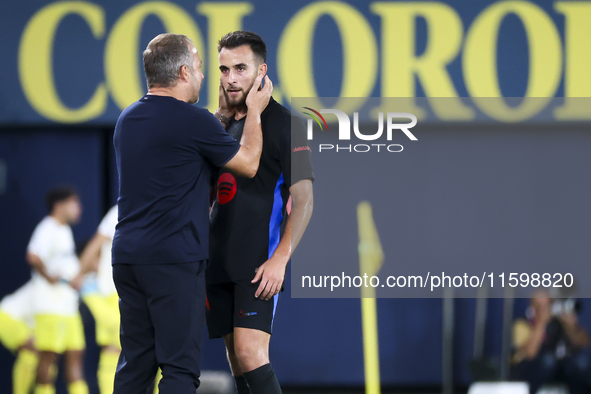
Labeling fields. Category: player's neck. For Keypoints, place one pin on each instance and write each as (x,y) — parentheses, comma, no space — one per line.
(241,112)
(58,218)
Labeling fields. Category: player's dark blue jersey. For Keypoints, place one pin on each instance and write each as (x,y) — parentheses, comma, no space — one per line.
(247,216)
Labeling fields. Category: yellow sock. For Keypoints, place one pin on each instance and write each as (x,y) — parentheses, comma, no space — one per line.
(106,371)
(24,372)
(77,387)
(158,377)
(45,389)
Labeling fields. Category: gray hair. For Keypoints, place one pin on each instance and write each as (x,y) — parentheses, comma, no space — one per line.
(164,57)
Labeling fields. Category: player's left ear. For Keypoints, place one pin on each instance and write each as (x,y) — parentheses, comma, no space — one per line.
(262,70)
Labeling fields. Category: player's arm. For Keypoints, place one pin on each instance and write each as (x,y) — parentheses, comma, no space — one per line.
(89,259)
(532,345)
(577,335)
(224,112)
(246,161)
(36,263)
(302,200)
(272,272)
(534,342)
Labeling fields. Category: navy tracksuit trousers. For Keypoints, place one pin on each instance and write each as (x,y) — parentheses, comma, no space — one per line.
(162,315)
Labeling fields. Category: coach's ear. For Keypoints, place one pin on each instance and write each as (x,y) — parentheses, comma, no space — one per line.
(185,73)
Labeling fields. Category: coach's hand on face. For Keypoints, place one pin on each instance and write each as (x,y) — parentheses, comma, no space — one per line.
(271,275)
(223,107)
(258,97)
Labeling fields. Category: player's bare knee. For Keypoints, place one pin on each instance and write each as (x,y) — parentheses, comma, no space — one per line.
(47,358)
(73,374)
(251,354)
(245,351)
(242,351)
(74,367)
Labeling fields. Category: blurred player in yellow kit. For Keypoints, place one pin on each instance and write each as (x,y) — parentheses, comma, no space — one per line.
(99,294)
(58,325)
(16,334)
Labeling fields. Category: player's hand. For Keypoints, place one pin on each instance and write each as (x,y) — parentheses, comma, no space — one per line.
(76,283)
(257,100)
(52,279)
(543,316)
(271,275)
(223,107)
(569,319)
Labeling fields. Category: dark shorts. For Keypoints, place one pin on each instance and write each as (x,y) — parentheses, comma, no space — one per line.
(233,304)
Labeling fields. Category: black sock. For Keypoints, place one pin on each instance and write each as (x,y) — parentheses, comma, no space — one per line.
(241,386)
(263,380)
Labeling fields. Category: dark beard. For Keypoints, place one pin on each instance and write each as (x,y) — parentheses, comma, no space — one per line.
(242,102)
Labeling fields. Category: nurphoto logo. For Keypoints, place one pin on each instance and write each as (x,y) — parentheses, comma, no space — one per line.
(345,130)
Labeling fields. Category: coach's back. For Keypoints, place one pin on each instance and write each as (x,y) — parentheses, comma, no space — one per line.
(164,149)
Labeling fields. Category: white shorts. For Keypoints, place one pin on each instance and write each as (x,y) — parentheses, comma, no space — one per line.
(58,299)
(19,304)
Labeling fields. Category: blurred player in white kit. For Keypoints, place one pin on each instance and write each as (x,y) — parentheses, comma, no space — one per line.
(58,325)
(16,334)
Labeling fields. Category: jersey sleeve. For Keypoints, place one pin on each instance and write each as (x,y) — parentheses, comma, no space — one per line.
(295,152)
(212,141)
(107,226)
(41,242)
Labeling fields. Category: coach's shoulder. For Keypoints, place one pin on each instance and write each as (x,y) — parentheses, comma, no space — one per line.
(201,114)
(130,109)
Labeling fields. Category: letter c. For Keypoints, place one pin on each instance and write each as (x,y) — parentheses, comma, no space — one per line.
(35,60)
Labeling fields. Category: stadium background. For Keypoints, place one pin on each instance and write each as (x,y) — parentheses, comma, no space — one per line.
(68,68)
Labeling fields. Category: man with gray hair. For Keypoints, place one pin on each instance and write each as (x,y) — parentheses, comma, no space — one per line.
(165,150)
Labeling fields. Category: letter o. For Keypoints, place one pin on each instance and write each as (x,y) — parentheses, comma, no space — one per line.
(401,283)
(479,60)
(355,281)
(121,53)
(35,62)
(396,145)
(360,54)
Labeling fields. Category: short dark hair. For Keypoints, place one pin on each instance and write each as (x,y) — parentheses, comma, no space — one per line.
(59,194)
(238,38)
(164,57)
